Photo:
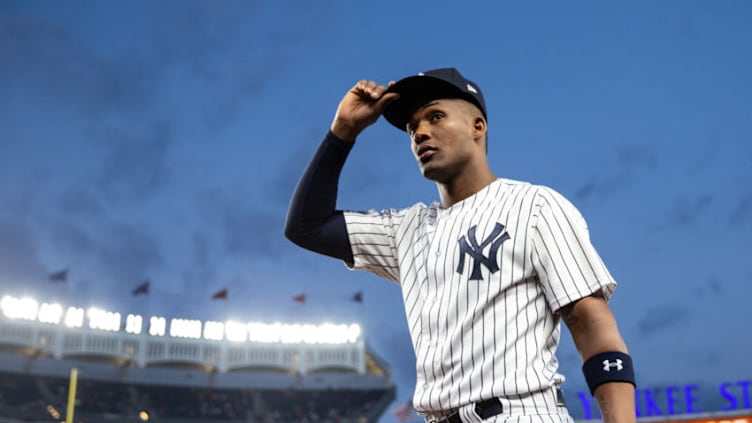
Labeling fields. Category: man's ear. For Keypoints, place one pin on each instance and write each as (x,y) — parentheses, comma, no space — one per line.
(479,127)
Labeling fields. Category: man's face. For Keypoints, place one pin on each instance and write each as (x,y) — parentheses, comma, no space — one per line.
(445,138)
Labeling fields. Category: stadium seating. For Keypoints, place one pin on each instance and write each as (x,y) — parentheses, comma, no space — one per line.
(33,396)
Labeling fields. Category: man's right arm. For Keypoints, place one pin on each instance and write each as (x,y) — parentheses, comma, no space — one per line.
(312,220)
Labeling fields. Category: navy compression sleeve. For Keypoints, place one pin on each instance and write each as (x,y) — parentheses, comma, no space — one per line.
(312,221)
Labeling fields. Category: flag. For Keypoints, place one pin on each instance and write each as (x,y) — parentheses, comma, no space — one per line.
(220,295)
(299,298)
(404,412)
(358,297)
(143,288)
(61,276)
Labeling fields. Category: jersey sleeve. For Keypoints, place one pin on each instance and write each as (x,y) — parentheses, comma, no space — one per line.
(373,239)
(567,264)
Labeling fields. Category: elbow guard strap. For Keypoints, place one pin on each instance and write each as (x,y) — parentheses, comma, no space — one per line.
(610,366)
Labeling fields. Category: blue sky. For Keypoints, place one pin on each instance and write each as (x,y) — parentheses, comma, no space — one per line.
(163,140)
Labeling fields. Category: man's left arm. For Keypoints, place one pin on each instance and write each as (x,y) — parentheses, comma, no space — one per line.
(595,333)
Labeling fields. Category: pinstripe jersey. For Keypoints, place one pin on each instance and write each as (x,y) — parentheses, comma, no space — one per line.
(480,282)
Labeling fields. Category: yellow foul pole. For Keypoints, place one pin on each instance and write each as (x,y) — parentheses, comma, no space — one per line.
(71,395)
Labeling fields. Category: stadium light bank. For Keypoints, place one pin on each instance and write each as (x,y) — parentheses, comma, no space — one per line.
(95,318)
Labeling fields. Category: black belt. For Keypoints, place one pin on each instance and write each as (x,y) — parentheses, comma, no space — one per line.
(484,409)
(489,408)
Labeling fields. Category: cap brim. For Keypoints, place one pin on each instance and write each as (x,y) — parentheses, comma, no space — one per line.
(414,92)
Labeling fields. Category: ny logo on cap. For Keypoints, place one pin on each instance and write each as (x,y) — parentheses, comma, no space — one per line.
(607,365)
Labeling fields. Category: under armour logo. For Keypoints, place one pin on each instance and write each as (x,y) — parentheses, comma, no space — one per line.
(607,365)
(469,245)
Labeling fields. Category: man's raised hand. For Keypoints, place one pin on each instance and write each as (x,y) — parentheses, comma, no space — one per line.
(360,108)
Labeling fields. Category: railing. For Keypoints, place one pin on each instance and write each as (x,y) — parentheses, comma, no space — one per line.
(146,350)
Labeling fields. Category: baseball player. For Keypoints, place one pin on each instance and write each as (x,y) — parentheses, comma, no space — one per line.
(487,272)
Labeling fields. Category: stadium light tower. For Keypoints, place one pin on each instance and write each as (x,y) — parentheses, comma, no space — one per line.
(236,331)
(185,328)
(157,326)
(50,313)
(74,317)
(133,324)
(214,331)
(19,308)
(103,319)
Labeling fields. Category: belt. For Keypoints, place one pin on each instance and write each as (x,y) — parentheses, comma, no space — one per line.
(489,408)
(484,409)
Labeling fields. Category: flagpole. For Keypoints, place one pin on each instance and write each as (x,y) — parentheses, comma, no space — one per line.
(71,395)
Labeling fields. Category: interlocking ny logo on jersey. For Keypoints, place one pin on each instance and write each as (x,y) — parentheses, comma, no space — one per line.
(469,246)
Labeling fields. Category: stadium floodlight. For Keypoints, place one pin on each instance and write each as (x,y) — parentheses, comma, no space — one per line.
(236,331)
(157,326)
(185,328)
(74,317)
(50,313)
(297,334)
(337,334)
(354,331)
(133,324)
(267,333)
(19,308)
(103,319)
(304,334)
(214,331)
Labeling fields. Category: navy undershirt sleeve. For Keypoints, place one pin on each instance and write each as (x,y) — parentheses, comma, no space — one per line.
(312,221)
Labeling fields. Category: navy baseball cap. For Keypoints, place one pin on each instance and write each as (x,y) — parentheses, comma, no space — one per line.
(435,84)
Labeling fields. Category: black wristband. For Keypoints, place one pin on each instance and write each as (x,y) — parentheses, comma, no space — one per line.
(610,366)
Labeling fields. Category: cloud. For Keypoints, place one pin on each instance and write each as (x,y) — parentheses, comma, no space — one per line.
(60,74)
(637,156)
(703,161)
(105,255)
(662,318)
(252,231)
(80,202)
(71,237)
(632,162)
(585,191)
(600,188)
(202,267)
(229,52)
(687,210)
(46,59)
(282,184)
(134,161)
(127,252)
(245,229)
(742,212)
(711,287)
(19,262)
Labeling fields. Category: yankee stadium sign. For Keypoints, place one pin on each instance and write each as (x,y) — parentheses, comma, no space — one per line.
(682,399)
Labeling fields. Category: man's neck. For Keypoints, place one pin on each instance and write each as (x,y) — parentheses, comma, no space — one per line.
(463,187)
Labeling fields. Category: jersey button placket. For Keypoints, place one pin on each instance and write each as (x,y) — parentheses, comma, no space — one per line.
(420,251)
(433,299)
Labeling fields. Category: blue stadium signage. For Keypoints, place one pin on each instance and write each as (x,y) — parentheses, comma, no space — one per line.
(676,400)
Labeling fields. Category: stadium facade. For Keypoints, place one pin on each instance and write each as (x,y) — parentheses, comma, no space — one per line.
(183,370)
